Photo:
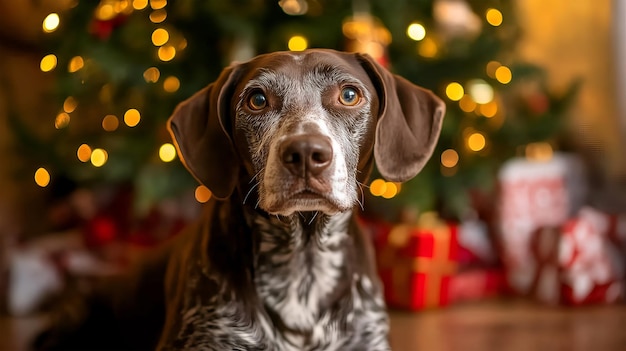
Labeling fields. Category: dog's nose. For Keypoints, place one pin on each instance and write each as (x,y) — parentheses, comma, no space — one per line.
(306,154)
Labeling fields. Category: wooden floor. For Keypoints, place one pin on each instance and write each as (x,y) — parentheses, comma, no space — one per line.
(492,326)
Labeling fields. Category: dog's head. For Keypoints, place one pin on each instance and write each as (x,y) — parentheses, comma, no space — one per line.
(302,128)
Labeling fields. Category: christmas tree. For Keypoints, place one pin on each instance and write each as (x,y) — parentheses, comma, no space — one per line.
(122,66)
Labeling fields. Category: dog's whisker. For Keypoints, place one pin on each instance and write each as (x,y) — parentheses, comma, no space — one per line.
(249,192)
(257,203)
(313,218)
(255,176)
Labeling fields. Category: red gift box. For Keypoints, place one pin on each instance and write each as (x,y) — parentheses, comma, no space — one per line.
(477,284)
(415,264)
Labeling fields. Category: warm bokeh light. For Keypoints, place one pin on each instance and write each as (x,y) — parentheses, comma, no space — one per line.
(158,16)
(48,63)
(151,75)
(76,63)
(160,36)
(84,153)
(166,53)
(416,31)
(42,177)
(449,158)
(110,123)
(428,48)
(476,141)
(297,43)
(491,68)
(467,104)
(455,91)
(51,23)
(62,120)
(540,151)
(70,104)
(140,4)
(171,84)
(503,74)
(489,109)
(158,4)
(99,157)
(202,194)
(105,11)
(378,187)
(132,117)
(391,190)
(480,91)
(167,152)
(494,17)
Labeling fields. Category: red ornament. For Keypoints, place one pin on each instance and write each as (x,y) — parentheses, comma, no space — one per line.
(103,29)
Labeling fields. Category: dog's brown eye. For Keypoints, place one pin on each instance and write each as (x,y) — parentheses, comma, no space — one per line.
(257,101)
(349,96)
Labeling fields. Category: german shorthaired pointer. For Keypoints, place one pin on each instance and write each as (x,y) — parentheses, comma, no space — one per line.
(285,142)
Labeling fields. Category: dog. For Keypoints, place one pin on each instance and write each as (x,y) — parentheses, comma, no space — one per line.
(285,142)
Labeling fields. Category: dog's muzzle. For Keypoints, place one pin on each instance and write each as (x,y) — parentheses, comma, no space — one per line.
(306,156)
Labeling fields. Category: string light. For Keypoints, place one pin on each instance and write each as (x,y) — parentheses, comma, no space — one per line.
(476,141)
(62,120)
(382,188)
(467,104)
(70,104)
(166,53)
(42,177)
(51,23)
(105,11)
(75,64)
(99,157)
(540,151)
(158,4)
(491,68)
(84,153)
(48,63)
(158,16)
(503,75)
(454,91)
(171,84)
(140,4)
(160,36)
(167,152)
(480,91)
(391,190)
(297,43)
(494,17)
(294,7)
(132,117)
(202,194)
(151,75)
(489,109)
(428,48)
(449,158)
(110,123)
(416,31)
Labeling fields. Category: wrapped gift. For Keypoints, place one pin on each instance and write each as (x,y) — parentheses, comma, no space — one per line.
(415,264)
(533,195)
(476,248)
(477,284)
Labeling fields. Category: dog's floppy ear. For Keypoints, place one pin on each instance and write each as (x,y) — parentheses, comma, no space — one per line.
(199,128)
(409,123)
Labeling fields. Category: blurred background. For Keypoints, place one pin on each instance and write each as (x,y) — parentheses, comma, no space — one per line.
(524,196)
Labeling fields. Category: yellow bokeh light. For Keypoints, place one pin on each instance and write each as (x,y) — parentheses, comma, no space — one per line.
(70,104)
(158,4)
(455,91)
(378,187)
(297,43)
(84,153)
(106,93)
(449,158)
(494,17)
(151,75)
(99,157)
(503,74)
(489,109)
(480,91)
(132,117)
(171,84)
(140,4)
(110,123)
(158,16)
(42,177)
(416,31)
(491,68)
(182,44)
(167,152)
(428,48)
(51,23)
(540,151)
(391,190)
(160,36)
(476,141)
(48,63)
(76,63)
(467,104)
(166,53)
(62,120)
(202,194)
(105,11)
